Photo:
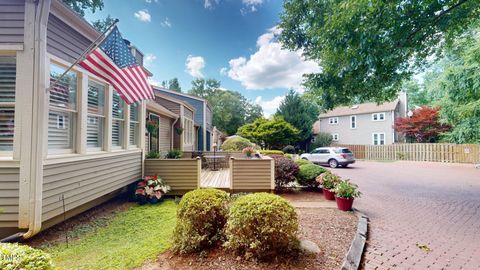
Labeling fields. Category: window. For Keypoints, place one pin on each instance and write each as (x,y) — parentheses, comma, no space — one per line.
(333,120)
(378,116)
(353,121)
(324,151)
(118,120)
(95,116)
(62,111)
(134,124)
(378,138)
(187,131)
(335,137)
(7,102)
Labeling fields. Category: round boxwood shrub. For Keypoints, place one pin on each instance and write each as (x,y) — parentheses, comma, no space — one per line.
(301,162)
(289,149)
(201,217)
(15,256)
(308,173)
(286,171)
(271,152)
(236,144)
(262,225)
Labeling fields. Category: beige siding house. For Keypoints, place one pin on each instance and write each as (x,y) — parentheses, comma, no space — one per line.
(366,123)
(76,143)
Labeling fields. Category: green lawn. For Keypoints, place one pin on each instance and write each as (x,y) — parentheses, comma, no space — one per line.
(126,241)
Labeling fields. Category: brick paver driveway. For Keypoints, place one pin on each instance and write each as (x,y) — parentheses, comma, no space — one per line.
(410,203)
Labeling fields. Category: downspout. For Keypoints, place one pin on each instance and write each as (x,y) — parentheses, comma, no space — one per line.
(35,189)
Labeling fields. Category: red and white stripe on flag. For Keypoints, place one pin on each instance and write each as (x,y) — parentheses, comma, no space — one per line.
(130,82)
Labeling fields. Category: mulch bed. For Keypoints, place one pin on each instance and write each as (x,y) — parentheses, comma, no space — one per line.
(331,229)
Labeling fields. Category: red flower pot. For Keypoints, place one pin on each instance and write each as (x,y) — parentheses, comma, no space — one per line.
(344,204)
(329,195)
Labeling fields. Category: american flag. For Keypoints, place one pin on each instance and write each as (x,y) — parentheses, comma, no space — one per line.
(113,62)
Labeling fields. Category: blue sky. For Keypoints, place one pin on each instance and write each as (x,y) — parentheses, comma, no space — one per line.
(229,40)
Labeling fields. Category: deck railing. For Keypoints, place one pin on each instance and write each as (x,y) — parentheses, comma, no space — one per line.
(182,175)
(252,174)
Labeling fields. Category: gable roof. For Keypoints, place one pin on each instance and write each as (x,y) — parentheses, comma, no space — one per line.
(159,88)
(363,108)
(178,101)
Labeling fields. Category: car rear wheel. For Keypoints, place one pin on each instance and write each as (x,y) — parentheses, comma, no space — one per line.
(333,163)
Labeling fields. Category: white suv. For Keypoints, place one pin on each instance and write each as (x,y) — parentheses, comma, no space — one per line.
(333,156)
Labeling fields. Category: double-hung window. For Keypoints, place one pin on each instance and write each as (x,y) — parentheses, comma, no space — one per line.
(118,120)
(378,116)
(134,124)
(7,103)
(378,138)
(335,137)
(353,121)
(96,116)
(62,111)
(188,130)
(333,120)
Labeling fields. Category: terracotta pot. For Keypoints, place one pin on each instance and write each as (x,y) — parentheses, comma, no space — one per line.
(329,195)
(344,204)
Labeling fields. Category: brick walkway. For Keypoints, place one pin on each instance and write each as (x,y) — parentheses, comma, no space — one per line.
(410,203)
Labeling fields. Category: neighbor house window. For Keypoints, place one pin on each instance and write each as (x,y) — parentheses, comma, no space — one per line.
(134,124)
(353,121)
(7,103)
(335,137)
(62,110)
(378,138)
(333,120)
(96,116)
(187,131)
(378,116)
(118,120)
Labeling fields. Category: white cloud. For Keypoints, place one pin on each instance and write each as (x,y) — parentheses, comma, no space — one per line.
(269,106)
(166,23)
(154,82)
(250,6)
(143,15)
(194,66)
(151,1)
(271,66)
(149,59)
(208,4)
(224,71)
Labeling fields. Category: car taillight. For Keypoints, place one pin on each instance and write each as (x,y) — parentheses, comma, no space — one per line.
(343,156)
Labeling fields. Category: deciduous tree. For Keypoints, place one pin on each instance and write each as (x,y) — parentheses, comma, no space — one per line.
(273,133)
(424,126)
(80,6)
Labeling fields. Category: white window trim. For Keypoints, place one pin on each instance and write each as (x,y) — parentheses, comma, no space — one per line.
(378,136)
(105,92)
(333,121)
(10,154)
(187,130)
(356,124)
(136,122)
(124,120)
(378,116)
(335,135)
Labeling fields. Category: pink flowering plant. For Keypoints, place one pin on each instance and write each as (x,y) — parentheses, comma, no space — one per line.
(328,180)
(151,188)
(248,151)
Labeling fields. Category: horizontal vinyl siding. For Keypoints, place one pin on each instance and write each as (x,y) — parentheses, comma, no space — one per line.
(188,113)
(9,185)
(86,180)
(180,174)
(12,14)
(251,174)
(165,133)
(172,106)
(63,41)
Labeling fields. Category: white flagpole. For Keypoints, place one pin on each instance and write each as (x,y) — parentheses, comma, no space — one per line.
(89,49)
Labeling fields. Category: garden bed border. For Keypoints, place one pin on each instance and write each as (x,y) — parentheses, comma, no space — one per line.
(354,255)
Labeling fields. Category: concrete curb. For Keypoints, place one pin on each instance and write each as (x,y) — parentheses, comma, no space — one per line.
(354,254)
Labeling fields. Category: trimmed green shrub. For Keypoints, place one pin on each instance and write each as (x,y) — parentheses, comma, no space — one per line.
(322,140)
(174,154)
(152,155)
(262,225)
(15,256)
(201,217)
(289,149)
(285,171)
(289,156)
(308,173)
(301,162)
(236,144)
(271,152)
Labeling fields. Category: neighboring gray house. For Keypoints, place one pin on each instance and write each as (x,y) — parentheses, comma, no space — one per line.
(202,118)
(366,123)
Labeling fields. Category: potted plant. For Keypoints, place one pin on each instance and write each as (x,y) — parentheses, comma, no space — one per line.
(151,126)
(345,193)
(248,151)
(329,181)
(151,189)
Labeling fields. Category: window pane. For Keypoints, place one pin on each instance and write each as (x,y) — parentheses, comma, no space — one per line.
(117,106)
(7,78)
(63,94)
(96,98)
(94,132)
(134,112)
(7,126)
(60,130)
(133,133)
(117,132)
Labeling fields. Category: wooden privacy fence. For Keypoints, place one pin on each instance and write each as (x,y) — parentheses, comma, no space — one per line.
(252,174)
(437,152)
